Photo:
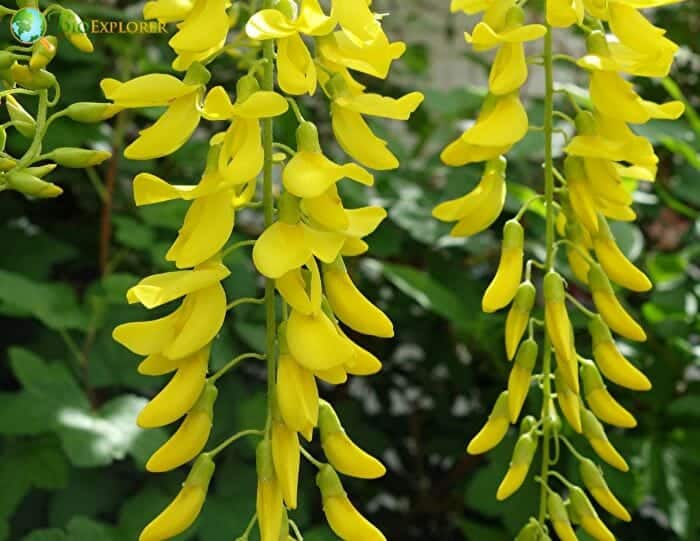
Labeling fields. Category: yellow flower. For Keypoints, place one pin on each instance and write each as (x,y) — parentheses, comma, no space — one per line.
(295,66)
(191,436)
(186,330)
(310,174)
(174,128)
(595,483)
(602,404)
(594,433)
(508,28)
(615,264)
(569,401)
(559,517)
(351,306)
(611,362)
(201,34)
(519,316)
(375,58)
(185,508)
(315,342)
(286,459)
(520,377)
(477,210)
(241,158)
(523,454)
(587,515)
(297,395)
(350,128)
(637,33)
(345,521)
(506,281)
(345,456)
(293,288)
(495,428)
(564,13)
(179,395)
(269,503)
(501,123)
(558,326)
(167,11)
(357,20)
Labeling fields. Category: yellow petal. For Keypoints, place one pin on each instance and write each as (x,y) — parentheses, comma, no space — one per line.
(505,123)
(269,24)
(242,155)
(261,104)
(149,337)
(172,130)
(315,343)
(509,70)
(296,72)
(282,247)
(205,27)
(347,522)
(376,105)
(167,11)
(357,139)
(310,174)
(217,105)
(150,90)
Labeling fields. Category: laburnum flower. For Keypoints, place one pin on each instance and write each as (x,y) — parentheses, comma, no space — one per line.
(564,13)
(191,326)
(357,20)
(242,156)
(175,126)
(481,207)
(503,26)
(202,32)
(350,128)
(209,220)
(501,123)
(167,11)
(296,71)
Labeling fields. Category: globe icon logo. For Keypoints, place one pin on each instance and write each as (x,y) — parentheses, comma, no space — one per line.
(28,25)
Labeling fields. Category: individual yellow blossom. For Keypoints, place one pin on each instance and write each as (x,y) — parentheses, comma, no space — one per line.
(241,157)
(558,326)
(191,436)
(519,316)
(297,395)
(296,70)
(559,517)
(357,20)
(345,521)
(615,264)
(564,13)
(495,428)
(523,454)
(174,127)
(350,128)
(315,342)
(479,208)
(286,459)
(509,29)
(587,515)
(185,508)
(501,123)
(594,433)
(611,362)
(595,483)
(345,456)
(636,32)
(179,395)
(569,401)
(520,377)
(269,503)
(506,281)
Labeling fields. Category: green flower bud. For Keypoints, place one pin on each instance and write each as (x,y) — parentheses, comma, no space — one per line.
(74,29)
(307,138)
(89,112)
(32,79)
(23,121)
(43,52)
(27,184)
(77,157)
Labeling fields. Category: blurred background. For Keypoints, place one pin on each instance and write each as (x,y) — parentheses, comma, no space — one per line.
(71,458)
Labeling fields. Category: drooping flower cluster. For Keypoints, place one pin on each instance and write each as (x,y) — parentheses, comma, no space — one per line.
(601,161)
(25,75)
(301,253)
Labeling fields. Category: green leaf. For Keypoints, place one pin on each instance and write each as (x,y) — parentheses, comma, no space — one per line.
(132,233)
(427,292)
(55,305)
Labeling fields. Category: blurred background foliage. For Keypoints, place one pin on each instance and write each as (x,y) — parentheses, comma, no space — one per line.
(71,458)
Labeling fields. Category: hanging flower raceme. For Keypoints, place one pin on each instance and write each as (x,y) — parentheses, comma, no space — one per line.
(583,198)
(302,253)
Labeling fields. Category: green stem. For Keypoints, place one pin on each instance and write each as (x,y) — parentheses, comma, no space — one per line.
(571,448)
(549,261)
(237,436)
(268,83)
(35,149)
(244,300)
(236,246)
(310,458)
(233,363)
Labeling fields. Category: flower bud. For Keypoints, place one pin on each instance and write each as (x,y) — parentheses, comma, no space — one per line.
(603,405)
(22,120)
(505,283)
(519,466)
(22,181)
(520,376)
(89,112)
(345,521)
(614,263)
(495,428)
(532,531)
(286,459)
(610,308)
(518,316)
(190,438)
(569,401)
(43,52)
(559,326)
(297,395)
(307,138)
(595,434)
(77,157)
(587,515)
(341,451)
(269,494)
(560,517)
(596,485)
(33,80)
(580,193)
(74,29)
(185,508)
(611,362)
